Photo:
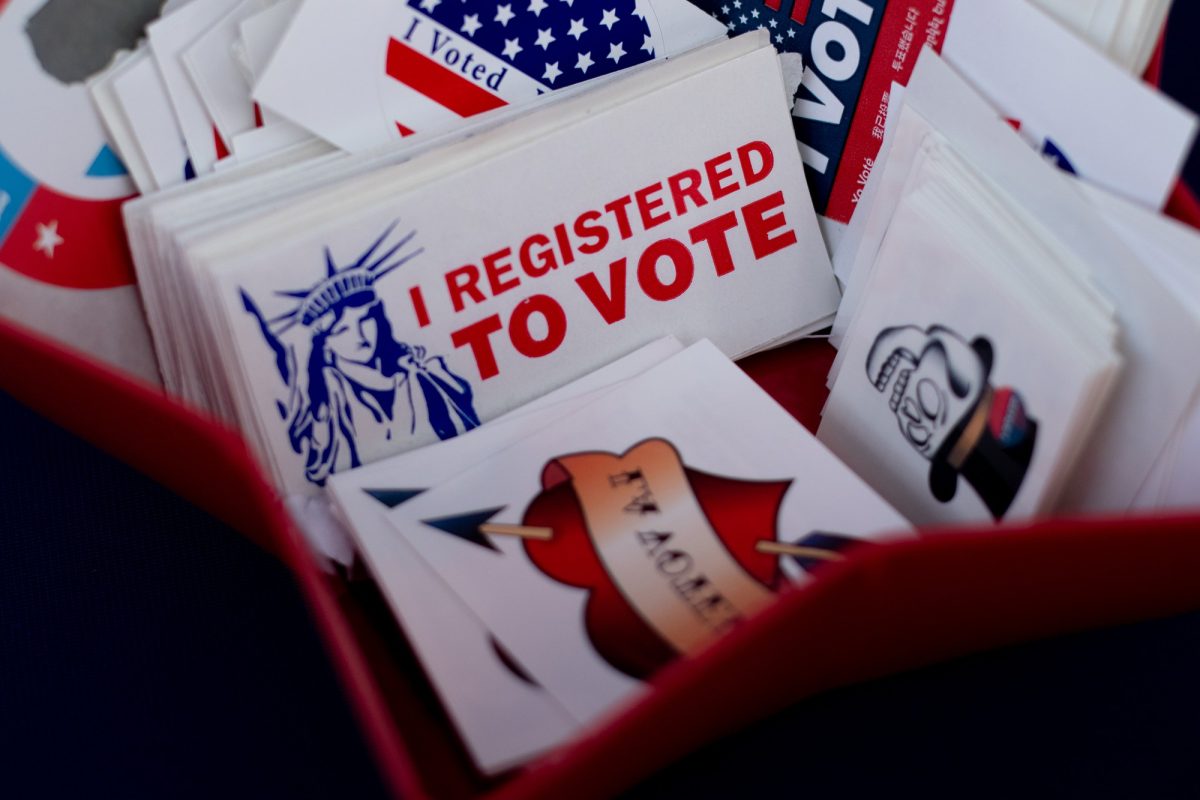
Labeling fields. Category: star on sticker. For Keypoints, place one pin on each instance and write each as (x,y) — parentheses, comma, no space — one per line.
(648,44)
(773,24)
(585,61)
(609,19)
(742,19)
(552,72)
(48,238)
(511,48)
(577,29)
(504,14)
(754,13)
(429,5)
(537,7)
(791,33)
(730,25)
(544,39)
(725,10)
(737,3)
(615,51)
(779,38)
(471,24)
(570,3)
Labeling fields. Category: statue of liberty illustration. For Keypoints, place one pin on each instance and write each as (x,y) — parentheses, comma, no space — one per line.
(358,387)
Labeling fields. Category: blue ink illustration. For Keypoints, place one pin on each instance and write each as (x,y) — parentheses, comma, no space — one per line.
(358,383)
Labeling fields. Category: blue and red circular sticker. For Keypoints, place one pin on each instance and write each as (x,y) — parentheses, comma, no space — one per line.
(61,185)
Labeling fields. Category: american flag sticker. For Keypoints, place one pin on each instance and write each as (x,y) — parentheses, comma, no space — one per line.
(451,59)
(364,74)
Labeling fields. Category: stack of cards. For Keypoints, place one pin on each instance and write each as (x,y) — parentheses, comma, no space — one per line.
(339,311)
(547,565)
(988,309)
(1076,107)
(163,102)
(1125,30)
(223,82)
(1171,251)
(854,51)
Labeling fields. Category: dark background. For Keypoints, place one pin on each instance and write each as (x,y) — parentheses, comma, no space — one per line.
(148,651)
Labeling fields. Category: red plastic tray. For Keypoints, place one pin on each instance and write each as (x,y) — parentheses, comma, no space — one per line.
(888,609)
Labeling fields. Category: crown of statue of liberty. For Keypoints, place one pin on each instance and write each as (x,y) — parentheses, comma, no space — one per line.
(348,287)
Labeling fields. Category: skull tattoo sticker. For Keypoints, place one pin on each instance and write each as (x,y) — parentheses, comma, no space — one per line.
(937,386)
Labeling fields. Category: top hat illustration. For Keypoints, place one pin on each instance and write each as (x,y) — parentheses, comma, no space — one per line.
(937,385)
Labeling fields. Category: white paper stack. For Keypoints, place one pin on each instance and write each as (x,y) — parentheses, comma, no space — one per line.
(547,565)
(987,309)
(1171,251)
(1127,31)
(1077,108)
(341,310)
